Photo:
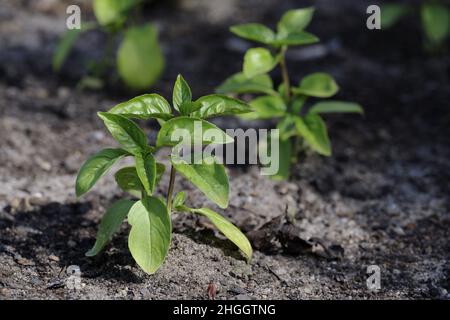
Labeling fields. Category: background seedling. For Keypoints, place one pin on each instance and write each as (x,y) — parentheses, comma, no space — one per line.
(149,217)
(139,58)
(286,103)
(434,16)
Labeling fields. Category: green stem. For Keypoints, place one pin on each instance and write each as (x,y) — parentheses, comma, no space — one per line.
(170,191)
(285,74)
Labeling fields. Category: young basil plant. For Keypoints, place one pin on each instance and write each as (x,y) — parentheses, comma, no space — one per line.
(149,216)
(434,16)
(286,103)
(139,60)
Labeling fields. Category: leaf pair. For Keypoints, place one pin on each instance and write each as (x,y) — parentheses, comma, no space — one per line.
(290,30)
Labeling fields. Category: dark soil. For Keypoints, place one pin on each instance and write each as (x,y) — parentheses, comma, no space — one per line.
(381,199)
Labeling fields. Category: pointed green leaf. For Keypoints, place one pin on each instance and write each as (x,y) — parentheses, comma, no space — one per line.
(333,106)
(436,22)
(146,171)
(65,45)
(254,31)
(139,59)
(112,11)
(145,107)
(295,20)
(95,167)
(179,199)
(267,107)
(295,39)
(181,93)
(128,181)
(150,235)
(125,131)
(239,83)
(211,179)
(172,132)
(228,229)
(320,85)
(258,61)
(219,105)
(109,225)
(391,13)
(313,129)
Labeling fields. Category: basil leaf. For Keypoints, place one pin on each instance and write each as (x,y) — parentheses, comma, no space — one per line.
(109,225)
(320,85)
(295,20)
(228,229)
(436,22)
(295,39)
(195,127)
(181,93)
(140,61)
(239,83)
(219,105)
(95,167)
(211,179)
(314,131)
(150,235)
(146,171)
(334,106)
(254,31)
(145,107)
(258,61)
(125,131)
(128,181)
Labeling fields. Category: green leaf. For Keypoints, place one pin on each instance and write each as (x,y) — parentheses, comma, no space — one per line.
(128,181)
(391,13)
(239,83)
(150,235)
(219,105)
(95,167)
(139,60)
(314,131)
(286,125)
(160,169)
(179,200)
(195,127)
(258,61)
(211,179)
(145,107)
(436,22)
(295,20)
(125,131)
(284,160)
(336,107)
(112,11)
(267,107)
(228,229)
(295,39)
(319,85)
(181,92)
(298,103)
(146,171)
(254,31)
(109,225)
(65,45)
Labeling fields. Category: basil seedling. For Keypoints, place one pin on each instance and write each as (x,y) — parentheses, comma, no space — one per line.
(149,217)
(286,103)
(434,16)
(139,60)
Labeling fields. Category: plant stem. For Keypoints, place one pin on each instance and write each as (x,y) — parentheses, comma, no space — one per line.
(284,71)
(170,191)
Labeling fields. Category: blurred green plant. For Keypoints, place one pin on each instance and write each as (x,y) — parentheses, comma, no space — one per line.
(286,103)
(434,16)
(139,61)
(149,217)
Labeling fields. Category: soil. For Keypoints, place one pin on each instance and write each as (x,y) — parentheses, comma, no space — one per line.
(381,199)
